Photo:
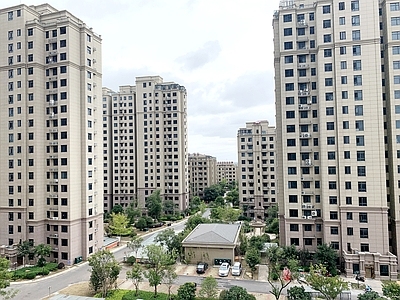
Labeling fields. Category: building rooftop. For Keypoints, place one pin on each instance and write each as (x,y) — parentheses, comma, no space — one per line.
(214,234)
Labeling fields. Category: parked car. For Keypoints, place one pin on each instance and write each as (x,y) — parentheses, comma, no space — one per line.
(201,267)
(224,269)
(237,269)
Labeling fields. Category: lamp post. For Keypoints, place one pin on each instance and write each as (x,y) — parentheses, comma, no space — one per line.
(358,278)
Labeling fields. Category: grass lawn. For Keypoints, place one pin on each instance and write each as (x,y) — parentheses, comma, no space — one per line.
(130,295)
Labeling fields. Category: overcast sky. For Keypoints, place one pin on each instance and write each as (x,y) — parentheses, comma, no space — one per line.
(220,50)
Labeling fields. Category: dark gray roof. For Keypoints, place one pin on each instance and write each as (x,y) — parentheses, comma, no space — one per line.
(214,234)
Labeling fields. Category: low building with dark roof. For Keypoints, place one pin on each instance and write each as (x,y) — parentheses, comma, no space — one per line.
(212,243)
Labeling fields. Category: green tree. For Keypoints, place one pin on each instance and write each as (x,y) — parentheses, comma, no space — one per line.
(209,288)
(119,225)
(252,258)
(258,241)
(329,287)
(391,289)
(117,209)
(104,271)
(212,192)
(169,279)
(290,252)
(26,249)
(187,291)
(236,292)
(168,207)
(136,275)
(135,244)
(195,220)
(158,260)
(169,239)
(141,223)
(298,293)
(233,197)
(132,212)
(372,295)
(42,251)
(278,279)
(327,256)
(5,277)
(154,205)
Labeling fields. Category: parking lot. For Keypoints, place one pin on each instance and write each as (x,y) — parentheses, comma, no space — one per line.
(190,270)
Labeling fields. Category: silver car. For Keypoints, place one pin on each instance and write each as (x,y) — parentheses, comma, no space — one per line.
(237,269)
(224,270)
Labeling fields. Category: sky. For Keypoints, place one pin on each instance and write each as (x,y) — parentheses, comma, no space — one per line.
(220,50)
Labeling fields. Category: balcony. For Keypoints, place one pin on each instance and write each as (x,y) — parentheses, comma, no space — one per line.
(303,79)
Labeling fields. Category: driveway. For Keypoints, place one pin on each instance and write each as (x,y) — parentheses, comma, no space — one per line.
(190,270)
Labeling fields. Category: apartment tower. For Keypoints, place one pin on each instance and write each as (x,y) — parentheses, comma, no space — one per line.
(202,173)
(337,76)
(51,75)
(226,171)
(146,150)
(256,168)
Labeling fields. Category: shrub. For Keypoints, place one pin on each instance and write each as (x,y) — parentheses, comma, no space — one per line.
(30,275)
(45,272)
(51,266)
(61,265)
(131,260)
(130,295)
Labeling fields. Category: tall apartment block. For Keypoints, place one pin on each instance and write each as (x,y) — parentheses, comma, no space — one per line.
(50,77)
(145,143)
(256,168)
(337,76)
(202,173)
(227,171)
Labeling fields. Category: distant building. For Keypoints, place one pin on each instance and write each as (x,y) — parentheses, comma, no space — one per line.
(202,173)
(256,168)
(226,171)
(145,143)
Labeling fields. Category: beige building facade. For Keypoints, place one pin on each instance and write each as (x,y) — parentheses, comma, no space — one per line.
(146,129)
(50,78)
(202,173)
(256,168)
(336,66)
(227,171)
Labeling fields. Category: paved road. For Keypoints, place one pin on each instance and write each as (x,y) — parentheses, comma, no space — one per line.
(39,288)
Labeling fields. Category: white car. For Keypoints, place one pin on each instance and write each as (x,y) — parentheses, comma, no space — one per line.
(237,269)
(224,270)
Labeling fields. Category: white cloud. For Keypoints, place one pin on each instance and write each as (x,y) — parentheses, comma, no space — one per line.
(221,51)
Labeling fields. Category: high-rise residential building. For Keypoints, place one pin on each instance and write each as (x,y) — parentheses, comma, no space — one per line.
(50,78)
(337,76)
(202,173)
(145,143)
(226,171)
(256,168)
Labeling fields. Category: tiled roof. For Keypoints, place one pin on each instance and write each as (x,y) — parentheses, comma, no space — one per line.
(213,234)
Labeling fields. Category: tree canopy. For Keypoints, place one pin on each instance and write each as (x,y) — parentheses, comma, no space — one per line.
(154,205)
(5,277)
(119,224)
(391,289)
(104,271)
(327,256)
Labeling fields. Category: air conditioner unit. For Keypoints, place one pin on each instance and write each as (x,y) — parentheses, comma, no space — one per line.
(309,217)
(55,180)
(55,235)
(303,206)
(302,178)
(309,102)
(304,217)
(94,49)
(307,162)
(314,213)
(95,156)
(95,230)
(309,206)
(54,218)
(303,192)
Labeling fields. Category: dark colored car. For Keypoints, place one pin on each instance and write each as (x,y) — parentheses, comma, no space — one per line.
(201,267)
